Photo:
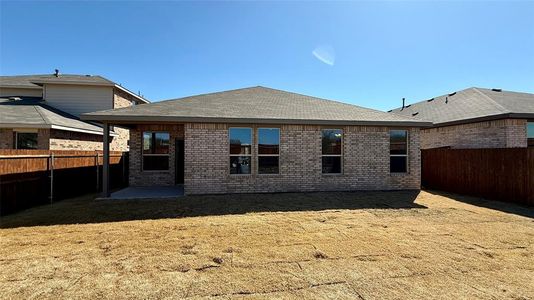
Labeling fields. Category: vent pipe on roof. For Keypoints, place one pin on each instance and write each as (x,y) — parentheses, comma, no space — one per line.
(446,99)
(56,72)
(497,90)
(403,101)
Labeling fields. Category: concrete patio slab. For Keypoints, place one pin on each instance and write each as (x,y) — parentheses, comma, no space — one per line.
(147,192)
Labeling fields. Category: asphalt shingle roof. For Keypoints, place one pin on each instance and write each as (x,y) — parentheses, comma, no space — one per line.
(254,104)
(28,80)
(471,104)
(34,81)
(29,112)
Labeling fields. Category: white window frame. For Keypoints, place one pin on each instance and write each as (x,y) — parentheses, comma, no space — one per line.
(400,155)
(267,155)
(234,155)
(529,138)
(333,155)
(156,154)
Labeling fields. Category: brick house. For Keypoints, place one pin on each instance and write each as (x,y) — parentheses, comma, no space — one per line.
(42,111)
(475,118)
(265,140)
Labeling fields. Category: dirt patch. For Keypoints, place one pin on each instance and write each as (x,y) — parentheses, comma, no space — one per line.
(376,245)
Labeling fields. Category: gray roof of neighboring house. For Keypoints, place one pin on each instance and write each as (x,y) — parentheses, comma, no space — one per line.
(34,81)
(471,105)
(32,112)
(254,105)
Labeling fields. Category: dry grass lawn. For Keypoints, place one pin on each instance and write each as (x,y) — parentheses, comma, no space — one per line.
(379,245)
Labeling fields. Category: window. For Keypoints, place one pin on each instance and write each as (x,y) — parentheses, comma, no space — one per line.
(156,151)
(240,150)
(398,151)
(26,140)
(332,151)
(530,134)
(268,150)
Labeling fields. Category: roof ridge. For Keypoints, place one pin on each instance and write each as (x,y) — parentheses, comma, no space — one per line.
(331,100)
(181,98)
(47,121)
(436,97)
(211,93)
(491,99)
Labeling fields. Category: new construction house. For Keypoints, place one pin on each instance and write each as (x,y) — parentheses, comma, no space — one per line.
(260,139)
(42,111)
(475,118)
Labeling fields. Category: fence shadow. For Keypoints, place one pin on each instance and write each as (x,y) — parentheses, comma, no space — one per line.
(84,210)
(507,207)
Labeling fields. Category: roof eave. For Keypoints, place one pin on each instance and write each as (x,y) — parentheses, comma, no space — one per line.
(52,126)
(134,119)
(486,118)
(72,82)
(132,94)
(20,86)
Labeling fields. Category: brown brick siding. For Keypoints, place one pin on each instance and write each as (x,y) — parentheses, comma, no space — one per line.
(43,139)
(507,133)
(120,142)
(70,140)
(121,99)
(366,161)
(138,177)
(6,138)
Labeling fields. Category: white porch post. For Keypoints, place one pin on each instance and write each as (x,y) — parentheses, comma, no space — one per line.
(105,163)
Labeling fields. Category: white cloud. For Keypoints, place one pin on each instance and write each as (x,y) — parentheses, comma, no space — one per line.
(326,54)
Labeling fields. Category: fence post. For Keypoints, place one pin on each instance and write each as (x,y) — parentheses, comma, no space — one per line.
(51,177)
(123,160)
(97,161)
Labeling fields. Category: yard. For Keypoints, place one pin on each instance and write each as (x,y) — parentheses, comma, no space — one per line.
(376,245)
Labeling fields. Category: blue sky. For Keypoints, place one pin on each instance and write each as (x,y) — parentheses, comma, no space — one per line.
(366,53)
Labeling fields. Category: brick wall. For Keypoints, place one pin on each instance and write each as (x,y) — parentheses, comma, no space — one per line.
(138,177)
(120,142)
(6,138)
(43,139)
(70,140)
(365,162)
(507,133)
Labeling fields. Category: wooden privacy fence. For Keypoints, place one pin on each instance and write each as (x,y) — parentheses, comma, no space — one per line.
(34,177)
(498,174)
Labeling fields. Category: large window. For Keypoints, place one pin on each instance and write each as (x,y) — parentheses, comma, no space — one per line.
(26,140)
(530,134)
(240,150)
(398,151)
(332,143)
(156,151)
(268,150)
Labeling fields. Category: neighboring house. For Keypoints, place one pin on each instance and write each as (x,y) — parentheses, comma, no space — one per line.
(265,140)
(42,111)
(475,118)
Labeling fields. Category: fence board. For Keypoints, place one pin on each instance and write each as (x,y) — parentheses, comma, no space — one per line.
(22,161)
(25,181)
(499,174)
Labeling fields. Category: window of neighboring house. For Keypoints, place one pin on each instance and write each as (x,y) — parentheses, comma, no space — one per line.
(156,151)
(240,150)
(25,140)
(332,144)
(398,151)
(268,151)
(530,134)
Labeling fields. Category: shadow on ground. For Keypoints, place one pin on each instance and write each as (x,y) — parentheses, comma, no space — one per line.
(506,207)
(83,210)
